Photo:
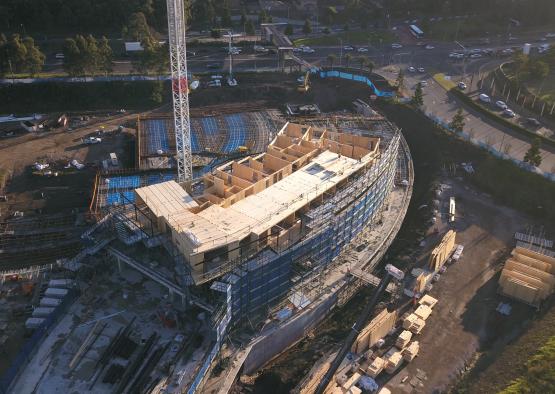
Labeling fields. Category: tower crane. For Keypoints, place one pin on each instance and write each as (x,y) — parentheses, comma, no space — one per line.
(180,90)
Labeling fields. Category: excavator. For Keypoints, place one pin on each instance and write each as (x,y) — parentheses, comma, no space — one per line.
(305,85)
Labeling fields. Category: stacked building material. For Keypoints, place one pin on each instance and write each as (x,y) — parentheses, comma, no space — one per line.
(393,362)
(411,351)
(403,339)
(428,300)
(423,312)
(374,331)
(413,323)
(441,253)
(376,367)
(528,276)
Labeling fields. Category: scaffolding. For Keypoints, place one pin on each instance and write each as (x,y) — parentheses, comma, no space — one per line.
(38,241)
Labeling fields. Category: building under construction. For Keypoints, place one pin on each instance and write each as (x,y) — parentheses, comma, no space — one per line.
(270,234)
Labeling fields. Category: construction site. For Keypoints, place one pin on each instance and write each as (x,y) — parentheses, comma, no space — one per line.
(225,232)
(191,249)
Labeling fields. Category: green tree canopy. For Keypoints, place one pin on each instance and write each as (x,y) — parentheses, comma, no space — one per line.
(533,155)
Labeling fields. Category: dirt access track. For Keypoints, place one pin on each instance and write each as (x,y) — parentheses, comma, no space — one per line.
(464,321)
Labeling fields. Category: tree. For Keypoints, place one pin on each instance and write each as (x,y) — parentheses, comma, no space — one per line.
(16,53)
(263,17)
(331,59)
(203,12)
(289,29)
(400,80)
(137,28)
(249,28)
(34,59)
(72,56)
(243,17)
(215,33)
(370,65)
(363,61)
(307,28)
(533,155)
(105,56)
(418,98)
(226,17)
(520,63)
(157,93)
(539,69)
(4,65)
(457,123)
(348,58)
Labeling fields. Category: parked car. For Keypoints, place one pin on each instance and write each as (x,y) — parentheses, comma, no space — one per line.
(348,48)
(423,83)
(476,55)
(412,69)
(421,69)
(462,85)
(534,122)
(429,46)
(362,49)
(501,104)
(92,140)
(484,98)
(396,46)
(509,113)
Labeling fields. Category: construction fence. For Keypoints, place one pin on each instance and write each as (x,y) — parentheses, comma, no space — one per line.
(33,343)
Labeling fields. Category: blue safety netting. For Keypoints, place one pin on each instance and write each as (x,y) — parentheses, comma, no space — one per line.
(120,182)
(357,78)
(237,133)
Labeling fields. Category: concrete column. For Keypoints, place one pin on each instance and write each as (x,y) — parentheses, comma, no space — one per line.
(120,265)
(171,296)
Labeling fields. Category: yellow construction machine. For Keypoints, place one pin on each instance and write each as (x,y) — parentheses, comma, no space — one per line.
(303,87)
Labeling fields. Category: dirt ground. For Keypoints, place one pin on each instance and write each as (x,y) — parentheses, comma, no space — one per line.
(465,321)
(31,193)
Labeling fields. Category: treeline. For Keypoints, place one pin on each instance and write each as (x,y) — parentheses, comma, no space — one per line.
(529,12)
(19,55)
(77,15)
(527,68)
(58,96)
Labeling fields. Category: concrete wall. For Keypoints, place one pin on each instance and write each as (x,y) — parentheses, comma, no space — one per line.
(287,335)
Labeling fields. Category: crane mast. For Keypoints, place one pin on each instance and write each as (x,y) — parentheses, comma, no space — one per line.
(180,90)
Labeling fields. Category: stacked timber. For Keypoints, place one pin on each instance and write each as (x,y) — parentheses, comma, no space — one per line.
(403,339)
(393,362)
(411,351)
(528,276)
(413,323)
(374,331)
(376,367)
(441,252)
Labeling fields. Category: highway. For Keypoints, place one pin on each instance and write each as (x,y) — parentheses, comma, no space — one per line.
(388,61)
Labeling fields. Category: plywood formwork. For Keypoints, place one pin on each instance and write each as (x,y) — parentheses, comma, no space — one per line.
(256,201)
(441,253)
(527,276)
(374,331)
